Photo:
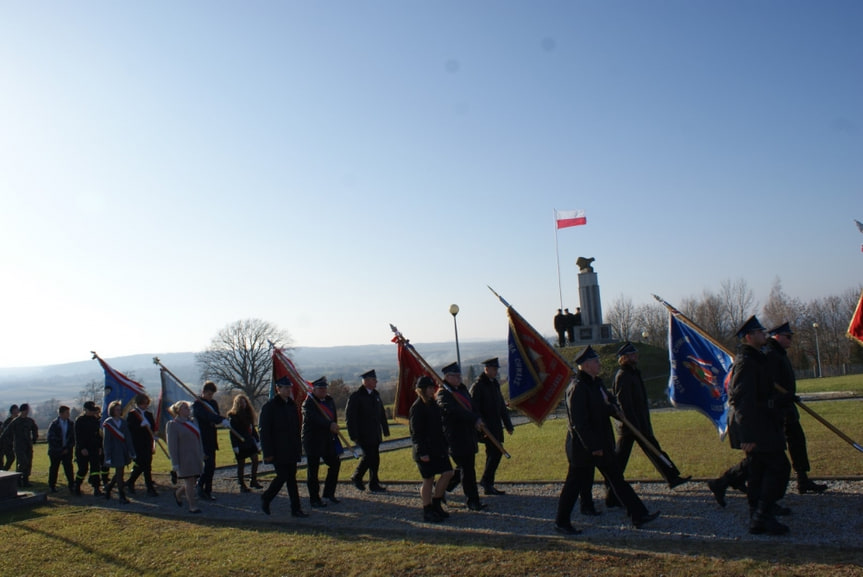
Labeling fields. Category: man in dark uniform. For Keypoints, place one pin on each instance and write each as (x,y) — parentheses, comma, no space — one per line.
(88,448)
(755,426)
(320,442)
(24,434)
(142,428)
(61,448)
(590,443)
(783,375)
(281,445)
(570,326)
(488,402)
(631,396)
(560,328)
(367,422)
(206,412)
(461,422)
(7,449)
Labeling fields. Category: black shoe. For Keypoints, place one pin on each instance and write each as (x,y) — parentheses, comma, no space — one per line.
(490,490)
(377,489)
(209,497)
(255,485)
(679,481)
(780,511)
(611,501)
(476,505)
(299,513)
(244,489)
(332,499)
(717,487)
(53,489)
(173,477)
(809,486)
(77,489)
(123,499)
(641,521)
(770,526)
(97,492)
(178,500)
(358,483)
(431,515)
(152,492)
(318,504)
(566,529)
(130,488)
(590,512)
(265,505)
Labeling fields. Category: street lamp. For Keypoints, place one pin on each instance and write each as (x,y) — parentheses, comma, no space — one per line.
(817,349)
(453,310)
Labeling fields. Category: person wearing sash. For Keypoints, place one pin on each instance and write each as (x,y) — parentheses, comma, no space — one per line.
(320,442)
(243,418)
(187,453)
(142,426)
(117,448)
(461,424)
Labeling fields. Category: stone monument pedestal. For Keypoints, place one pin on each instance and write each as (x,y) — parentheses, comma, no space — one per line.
(10,498)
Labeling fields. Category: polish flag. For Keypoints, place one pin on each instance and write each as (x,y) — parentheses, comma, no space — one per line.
(567,218)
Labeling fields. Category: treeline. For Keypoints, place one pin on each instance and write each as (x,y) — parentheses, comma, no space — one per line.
(819,325)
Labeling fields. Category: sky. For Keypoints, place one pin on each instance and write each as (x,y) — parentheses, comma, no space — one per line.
(168,168)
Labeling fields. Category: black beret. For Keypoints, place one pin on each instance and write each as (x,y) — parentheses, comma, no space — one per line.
(492,363)
(783,329)
(750,326)
(587,354)
(451,368)
(626,349)
(369,374)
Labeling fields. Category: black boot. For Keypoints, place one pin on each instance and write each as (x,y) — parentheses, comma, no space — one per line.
(763,521)
(718,488)
(437,505)
(807,485)
(430,515)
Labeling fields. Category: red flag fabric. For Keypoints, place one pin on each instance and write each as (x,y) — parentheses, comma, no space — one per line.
(567,218)
(410,369)
(855,329)
(283,368)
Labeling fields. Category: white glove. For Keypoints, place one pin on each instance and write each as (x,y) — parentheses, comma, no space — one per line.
(226,423)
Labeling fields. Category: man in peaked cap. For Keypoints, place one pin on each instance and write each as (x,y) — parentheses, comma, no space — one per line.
(461,424)
(631,395)
(590,443)
(783,375)
(320,442)
(488,402)
(755,426)
(560,328)
(367,421)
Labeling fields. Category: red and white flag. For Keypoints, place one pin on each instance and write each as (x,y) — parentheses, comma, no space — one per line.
(855,329)
(567,218)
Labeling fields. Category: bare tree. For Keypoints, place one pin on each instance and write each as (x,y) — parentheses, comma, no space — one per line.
(92,391)
(653,320)
(340,392)
(46,412)
(239,356)
(738,302)
(622,318)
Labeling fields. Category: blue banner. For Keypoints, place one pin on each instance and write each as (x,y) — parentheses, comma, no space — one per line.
(699,373)
(118,387)
(172,391)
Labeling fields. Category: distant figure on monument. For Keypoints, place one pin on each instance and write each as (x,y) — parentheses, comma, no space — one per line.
(577,320)
(570,326)
(560,328)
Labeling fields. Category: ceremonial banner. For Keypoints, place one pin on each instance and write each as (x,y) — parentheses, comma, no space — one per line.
(171,392)
(567,218)
(855,328)
(699,373)
(118,387)
(283,368)
(410,369)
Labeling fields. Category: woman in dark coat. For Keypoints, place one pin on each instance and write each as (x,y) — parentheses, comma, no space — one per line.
(430,450)
(243,418)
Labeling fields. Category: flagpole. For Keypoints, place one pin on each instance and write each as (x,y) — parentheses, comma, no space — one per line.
(557,254)
(683,318)
(156,361)
(441,383)
(297,377)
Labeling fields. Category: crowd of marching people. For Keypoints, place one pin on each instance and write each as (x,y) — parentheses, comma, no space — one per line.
(448,422)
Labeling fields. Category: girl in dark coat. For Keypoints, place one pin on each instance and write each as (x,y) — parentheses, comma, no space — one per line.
(243,418)
(430,450)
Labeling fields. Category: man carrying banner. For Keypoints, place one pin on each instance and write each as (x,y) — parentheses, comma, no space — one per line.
(783,375)
(320,427)
(590,442)
(367,425)
(631,395)
(488,402)
(756,427)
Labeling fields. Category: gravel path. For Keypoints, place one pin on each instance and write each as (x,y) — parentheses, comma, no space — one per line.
(689,513)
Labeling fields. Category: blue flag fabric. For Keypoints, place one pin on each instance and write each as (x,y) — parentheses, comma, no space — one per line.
(171,392)
(118,387)
(699,373)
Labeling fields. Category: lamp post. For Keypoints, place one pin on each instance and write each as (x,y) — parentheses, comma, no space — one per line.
(817,349)
(644,335)
(453,310)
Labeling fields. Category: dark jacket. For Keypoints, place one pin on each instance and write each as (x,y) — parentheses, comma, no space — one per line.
(280,431)
(753,416)
(248,444)
(56,442)
(426,428)
(782,373)
(589,425)
(207,421)
(142,440)
(318,441)
(488,402)
(23,432)
(459,422)
(88,434)
(366,418)
(631,395)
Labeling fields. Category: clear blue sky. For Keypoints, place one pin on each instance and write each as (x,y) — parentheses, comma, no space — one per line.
(167,168)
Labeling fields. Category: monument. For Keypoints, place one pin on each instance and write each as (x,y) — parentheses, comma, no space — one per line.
(592,329)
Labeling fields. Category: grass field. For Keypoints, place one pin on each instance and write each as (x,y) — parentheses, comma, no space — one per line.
(76,540)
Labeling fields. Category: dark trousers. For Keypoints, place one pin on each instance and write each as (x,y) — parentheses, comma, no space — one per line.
(286,474)
(768,477)
(622,491)
(467,464)
(492,461)
(25,464)
(205,481)
(736,475)
(796,440)
(624,449)
(91,463)
(143,466)
(333,464)
(561,338)
(579,481)
(54,468)
(371,462)
(7,457)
